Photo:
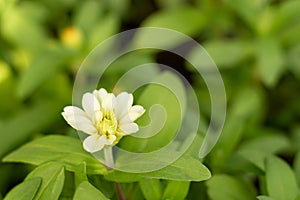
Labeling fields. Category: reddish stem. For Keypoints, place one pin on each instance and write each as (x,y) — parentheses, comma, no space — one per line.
(119,191)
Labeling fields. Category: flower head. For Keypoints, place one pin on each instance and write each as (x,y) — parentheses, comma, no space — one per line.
(106,118)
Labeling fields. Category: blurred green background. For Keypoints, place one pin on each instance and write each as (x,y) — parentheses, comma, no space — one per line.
(255,44)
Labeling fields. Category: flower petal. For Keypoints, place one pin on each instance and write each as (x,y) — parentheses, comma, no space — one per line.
(129,128)
(73,110)
(108,141)
(97,117)
(76,118)
(123,103)
(108,102)
(135,112)
(125,119)
(100,94)
(90,104)
(93,143)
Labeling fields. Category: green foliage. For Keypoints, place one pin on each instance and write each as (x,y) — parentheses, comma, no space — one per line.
(52,175)
(270,60)
(169,100)
(80,173)
(223,186)
(264,198)
(17,129)
(280,179)
(29,80)
(87,191)
(25,190)
(185,168)
(151,188)
(176,190)
(258,149)
(189,21)
(45,182)
(216,48)
(65,150)
(296,165)
(255,45)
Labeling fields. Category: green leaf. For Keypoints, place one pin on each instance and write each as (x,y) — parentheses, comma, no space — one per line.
(69,186)
(106,187)
(88,192)
(264,198)
(65,150)
(289,36)
(151,188)
(103,30)
(193,149)
(258,149)
(280,179)
(293,60)
(165,109)
(230,137)
(16,20)
(248,10)
(247,103)
(80,173)
(124,77)
(88,14)
(18,129)
(53,178)
(176,190)
(286,16)
(25,190)
(132,191)
(265,22)
(186,168)
(270,61)
(223,186)
(244,108)
(225,54)
(189,21)
(45,65)
(296,166)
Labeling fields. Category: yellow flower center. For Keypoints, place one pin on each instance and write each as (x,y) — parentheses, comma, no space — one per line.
(108,125)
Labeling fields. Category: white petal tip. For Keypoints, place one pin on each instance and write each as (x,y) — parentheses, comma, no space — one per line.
(93,144)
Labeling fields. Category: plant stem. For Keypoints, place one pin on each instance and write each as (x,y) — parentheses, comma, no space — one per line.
(119,191)
(109,157)
(109,161)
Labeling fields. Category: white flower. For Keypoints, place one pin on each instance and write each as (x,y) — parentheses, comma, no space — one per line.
(105,117)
